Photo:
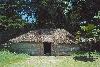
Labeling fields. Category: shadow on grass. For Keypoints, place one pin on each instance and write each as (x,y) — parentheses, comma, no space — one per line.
(84,58)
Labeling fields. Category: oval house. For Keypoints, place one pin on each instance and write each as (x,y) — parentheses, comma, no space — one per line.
(45,42)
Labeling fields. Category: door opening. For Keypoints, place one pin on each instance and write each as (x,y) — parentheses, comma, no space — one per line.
(47,48)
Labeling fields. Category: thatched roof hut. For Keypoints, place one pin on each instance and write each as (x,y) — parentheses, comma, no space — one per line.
(45,41)
(46,35)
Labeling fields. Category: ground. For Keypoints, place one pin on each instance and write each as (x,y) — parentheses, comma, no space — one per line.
(8,59)
(52,61)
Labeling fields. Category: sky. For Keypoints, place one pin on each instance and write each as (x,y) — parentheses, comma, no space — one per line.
(29,19)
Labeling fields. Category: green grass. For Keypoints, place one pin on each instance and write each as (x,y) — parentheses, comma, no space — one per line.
(7,58)
(58,61)
(70,62)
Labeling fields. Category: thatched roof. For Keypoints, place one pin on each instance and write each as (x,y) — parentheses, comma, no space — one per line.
(46,35)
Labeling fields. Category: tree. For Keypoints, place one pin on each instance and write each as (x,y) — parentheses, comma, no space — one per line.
(66,14)
(9,14)
(50,14)
(91,34)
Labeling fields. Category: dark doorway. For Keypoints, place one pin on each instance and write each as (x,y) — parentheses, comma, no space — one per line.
(47,48)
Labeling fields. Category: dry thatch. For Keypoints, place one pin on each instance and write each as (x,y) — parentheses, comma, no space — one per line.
(46,35)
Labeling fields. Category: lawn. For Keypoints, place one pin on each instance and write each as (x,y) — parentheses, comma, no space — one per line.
(58,61)
(8,59)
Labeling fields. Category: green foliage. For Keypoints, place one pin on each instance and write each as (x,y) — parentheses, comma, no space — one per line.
(10,23)
(90,30)
(88,27)
(50,13)
(97,16)
(44,2)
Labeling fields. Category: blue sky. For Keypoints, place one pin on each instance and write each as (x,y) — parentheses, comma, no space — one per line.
(25,16)
(30,18)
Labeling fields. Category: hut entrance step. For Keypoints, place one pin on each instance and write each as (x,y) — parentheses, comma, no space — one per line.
(47,48)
